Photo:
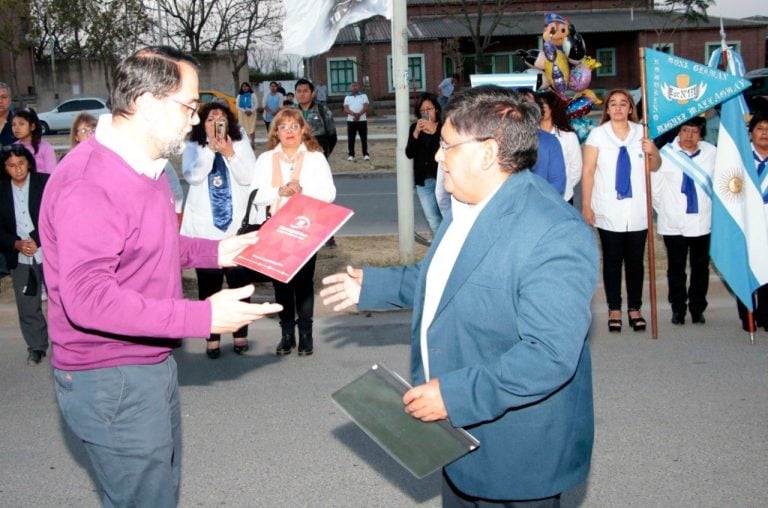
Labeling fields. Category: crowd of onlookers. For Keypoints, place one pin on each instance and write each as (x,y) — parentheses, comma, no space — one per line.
(608,168)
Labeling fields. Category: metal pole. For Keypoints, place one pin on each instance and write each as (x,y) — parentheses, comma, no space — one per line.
(400,80)
(649,206)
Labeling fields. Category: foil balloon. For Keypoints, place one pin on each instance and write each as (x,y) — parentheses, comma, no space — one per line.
(581,76)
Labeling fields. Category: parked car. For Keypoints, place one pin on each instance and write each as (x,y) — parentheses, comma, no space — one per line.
(215,95)
(61,117)
(757,94)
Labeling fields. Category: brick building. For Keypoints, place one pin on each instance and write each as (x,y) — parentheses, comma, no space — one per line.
(613,33)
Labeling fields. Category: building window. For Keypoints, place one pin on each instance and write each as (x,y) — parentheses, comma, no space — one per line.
(665,47)
(416,75)
(341,72)
(607,59)
(710,47)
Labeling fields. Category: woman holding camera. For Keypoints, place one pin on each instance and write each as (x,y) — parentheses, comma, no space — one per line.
(217,163)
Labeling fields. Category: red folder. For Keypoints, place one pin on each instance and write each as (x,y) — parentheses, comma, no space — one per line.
(292,236)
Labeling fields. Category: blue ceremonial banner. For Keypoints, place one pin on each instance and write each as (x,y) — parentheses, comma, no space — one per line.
(678,89)
(739,241)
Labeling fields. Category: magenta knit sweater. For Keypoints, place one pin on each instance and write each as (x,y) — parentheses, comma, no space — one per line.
(113,261)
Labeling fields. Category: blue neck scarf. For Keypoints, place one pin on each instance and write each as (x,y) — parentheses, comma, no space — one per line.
(623,171)
(689,189)
(245,101)
(760,163)
(220,193)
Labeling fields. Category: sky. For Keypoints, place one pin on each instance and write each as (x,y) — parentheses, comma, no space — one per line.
(738,8)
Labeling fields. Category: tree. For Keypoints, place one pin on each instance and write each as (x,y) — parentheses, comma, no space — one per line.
(88,29)
(481,18)
(676,13)
(229,25)
(14,35)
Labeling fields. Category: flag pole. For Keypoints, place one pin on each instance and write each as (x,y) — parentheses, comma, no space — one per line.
(751,327)
(648,205)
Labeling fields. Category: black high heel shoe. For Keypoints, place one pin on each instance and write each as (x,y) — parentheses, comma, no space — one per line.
(638,324)
(212,352)
(240,348)
(614,325)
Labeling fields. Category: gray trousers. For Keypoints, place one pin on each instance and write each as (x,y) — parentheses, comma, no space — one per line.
(34,327)
(129,421)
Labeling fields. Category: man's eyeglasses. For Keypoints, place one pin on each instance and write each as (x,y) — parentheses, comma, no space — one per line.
(445,146)
(192,109)
(288,127)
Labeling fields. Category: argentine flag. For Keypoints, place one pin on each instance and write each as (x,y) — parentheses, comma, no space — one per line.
(739,242)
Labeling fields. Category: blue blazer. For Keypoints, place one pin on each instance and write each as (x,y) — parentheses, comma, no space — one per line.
(509,341)
(550,163)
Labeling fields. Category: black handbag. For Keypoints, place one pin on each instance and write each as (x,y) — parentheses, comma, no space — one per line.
(245,225)
(242,274)
(33,282)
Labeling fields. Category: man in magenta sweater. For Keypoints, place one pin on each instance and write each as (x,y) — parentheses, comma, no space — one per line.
(113,269)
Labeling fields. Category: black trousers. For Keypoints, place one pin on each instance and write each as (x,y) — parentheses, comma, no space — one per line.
(679,250)
(211,280)
(760,314)
(625,250)
(353,128)
(297,298)
(454,498)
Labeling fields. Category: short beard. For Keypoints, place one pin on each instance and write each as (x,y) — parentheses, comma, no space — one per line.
(168,146)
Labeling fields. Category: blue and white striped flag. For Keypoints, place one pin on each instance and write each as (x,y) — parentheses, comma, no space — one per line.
(739,243)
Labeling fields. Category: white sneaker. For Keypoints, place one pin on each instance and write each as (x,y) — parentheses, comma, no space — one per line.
(350,158)
(366,158)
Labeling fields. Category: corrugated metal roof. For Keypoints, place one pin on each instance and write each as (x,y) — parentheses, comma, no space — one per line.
(614,21)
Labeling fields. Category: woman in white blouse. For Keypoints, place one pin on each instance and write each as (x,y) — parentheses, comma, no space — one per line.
(555,121)
(293,164)
(614,200)
(681,190)
(219,167)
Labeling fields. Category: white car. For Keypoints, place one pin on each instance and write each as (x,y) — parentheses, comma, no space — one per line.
(61,117)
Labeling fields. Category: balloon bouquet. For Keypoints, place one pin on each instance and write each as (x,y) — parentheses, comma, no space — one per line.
(566,67)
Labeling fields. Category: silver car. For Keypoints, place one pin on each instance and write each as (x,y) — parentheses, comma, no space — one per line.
(61,117)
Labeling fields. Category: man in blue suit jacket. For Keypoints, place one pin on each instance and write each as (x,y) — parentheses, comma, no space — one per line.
(501,311)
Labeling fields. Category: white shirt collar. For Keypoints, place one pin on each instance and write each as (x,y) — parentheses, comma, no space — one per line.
(466,212)
(134,156)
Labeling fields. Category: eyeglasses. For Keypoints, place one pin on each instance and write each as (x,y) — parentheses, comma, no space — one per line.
(289,127)
(445,146)
(193,109)
(426,110)
(85,131)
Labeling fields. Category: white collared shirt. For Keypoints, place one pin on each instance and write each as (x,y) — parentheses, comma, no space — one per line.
(24,223)
(670,203)
(443,261)
(133,155)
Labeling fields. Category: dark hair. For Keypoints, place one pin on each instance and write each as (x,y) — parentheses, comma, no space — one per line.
(632,106)
(758,117)
(426,96)
(696,121)
(152,70)
(274,83)
(297,116)
(304,81)
(245,83)
(491,112)
(30,116)
(557,108)
(18,151)
(198,135)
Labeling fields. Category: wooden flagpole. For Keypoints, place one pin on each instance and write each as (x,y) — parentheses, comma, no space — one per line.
(648,204)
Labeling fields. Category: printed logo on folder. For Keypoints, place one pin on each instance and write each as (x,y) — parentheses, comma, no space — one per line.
(292,236)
